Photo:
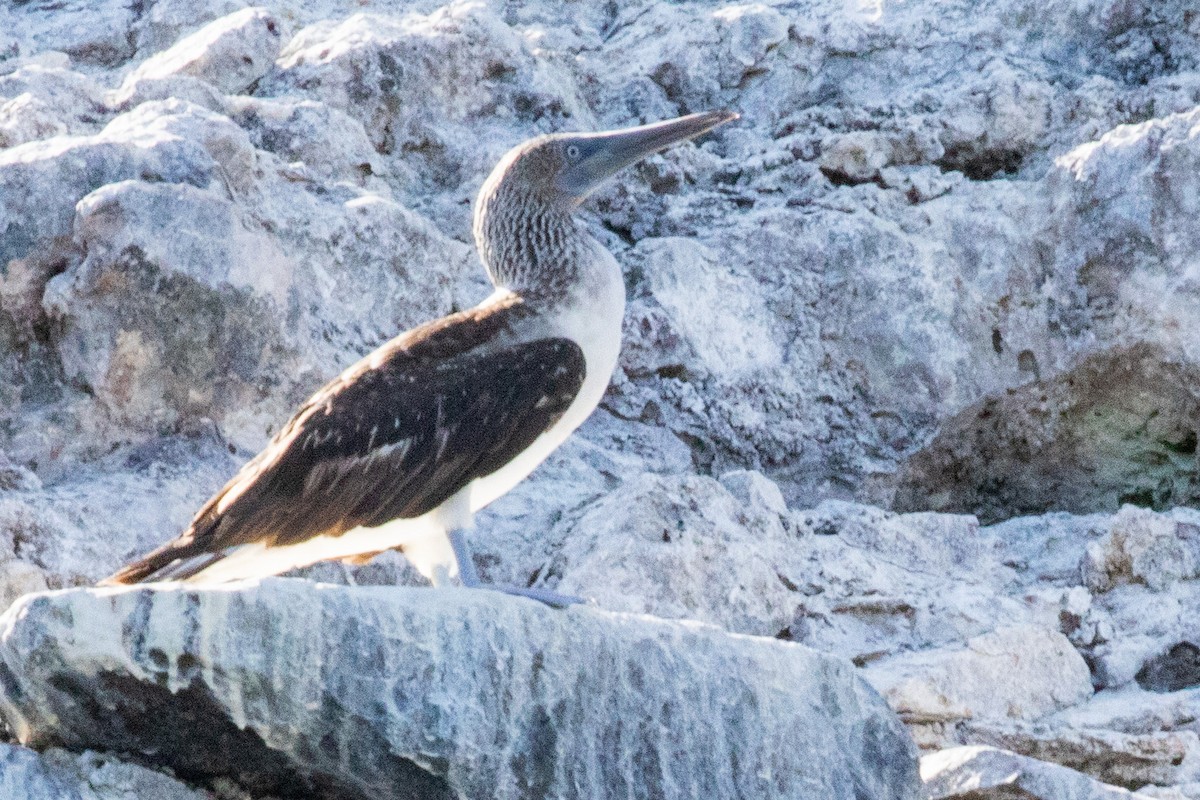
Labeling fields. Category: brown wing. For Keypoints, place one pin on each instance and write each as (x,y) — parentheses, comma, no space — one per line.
(392,437)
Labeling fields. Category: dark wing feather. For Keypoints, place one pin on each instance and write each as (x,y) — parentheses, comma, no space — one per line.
(392,437)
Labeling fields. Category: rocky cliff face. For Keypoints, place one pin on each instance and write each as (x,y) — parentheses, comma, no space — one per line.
(911,352)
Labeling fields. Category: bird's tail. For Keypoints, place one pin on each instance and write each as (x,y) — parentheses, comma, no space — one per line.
(171,562)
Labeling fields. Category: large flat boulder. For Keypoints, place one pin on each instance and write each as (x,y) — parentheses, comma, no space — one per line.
(318,691)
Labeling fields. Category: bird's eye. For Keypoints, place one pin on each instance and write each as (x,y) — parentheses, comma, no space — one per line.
(573,151)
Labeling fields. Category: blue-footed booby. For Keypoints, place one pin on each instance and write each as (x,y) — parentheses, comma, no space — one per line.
(402,448)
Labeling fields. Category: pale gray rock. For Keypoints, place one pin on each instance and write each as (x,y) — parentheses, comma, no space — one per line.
(405,78)
(19,577)
(856,157)
(39,101)
(1148,756)
(228,281)
(682,546)
(166,22)
(326,143)
(755,491)
(89,522)
(1113,416)
(1187,791)
(230,53)
(51,176)
(986,773)
(944,263)
(232,295)
(427,693)
(92,32)
(1018,672)
(59,775)
(1141,547)
(184,88)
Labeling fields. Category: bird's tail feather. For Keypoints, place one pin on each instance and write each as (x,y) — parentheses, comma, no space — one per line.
(170,563)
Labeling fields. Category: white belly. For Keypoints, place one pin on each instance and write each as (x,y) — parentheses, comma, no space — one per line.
(595,324)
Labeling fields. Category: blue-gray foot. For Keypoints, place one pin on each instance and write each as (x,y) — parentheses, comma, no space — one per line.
(469,578)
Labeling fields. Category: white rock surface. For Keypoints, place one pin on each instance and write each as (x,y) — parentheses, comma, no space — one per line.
(231,54)
(1020,672)
(425,693)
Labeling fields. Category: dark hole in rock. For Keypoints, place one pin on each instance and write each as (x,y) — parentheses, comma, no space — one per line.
(982,163)
(1172,671)
(841,178)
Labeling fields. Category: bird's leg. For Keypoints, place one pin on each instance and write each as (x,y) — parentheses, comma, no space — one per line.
(469,578)
(467,575)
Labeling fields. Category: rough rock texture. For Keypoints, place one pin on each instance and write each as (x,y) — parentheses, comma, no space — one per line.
(985,773)
(935,288)
(230,54)
(60,775)
(368,693)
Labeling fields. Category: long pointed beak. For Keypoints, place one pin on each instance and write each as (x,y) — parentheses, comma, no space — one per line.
(601,155)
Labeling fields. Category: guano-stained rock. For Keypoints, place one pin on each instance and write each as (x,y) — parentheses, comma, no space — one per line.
(288,687)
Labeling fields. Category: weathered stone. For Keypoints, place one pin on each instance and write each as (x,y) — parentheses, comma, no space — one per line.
(986,773)
(335,692)
(1141,546)
(94,32)
(682,547)
(1122,759)
(230,53)
(1014,672)
(17,578)
(328,144)
(59,775)
(40,102)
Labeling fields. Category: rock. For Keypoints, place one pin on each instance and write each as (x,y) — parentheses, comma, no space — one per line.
(86,525)
(755,491)
(682,546)
(930,543)
(94,33)
(425,693)
(986,773)
(232,286)
(230,53)
(167,21)
(1017,672)
(40,102)
(1122,759)
(52,176)
(855,157)
(1183,792)
(402,78)
(1144,547)
(17,578)
(904,343)
(59,775)
(329,144)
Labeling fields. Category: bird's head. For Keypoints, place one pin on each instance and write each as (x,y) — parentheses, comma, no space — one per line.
(563,168)
(546,178)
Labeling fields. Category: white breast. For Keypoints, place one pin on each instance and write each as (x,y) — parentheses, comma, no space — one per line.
(592,318)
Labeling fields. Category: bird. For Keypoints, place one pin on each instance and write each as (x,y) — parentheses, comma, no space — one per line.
(402,448)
